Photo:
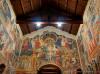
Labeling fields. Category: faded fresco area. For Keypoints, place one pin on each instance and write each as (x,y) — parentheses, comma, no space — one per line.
(44,47)
(10,35)
(88,38)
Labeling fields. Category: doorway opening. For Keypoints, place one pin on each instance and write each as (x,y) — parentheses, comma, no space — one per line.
(49,69)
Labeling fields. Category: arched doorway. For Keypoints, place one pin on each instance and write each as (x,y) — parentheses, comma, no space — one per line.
(49,69)
(79,71)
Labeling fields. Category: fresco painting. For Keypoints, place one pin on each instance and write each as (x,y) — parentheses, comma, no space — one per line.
(9,16)
(93,29)
(4,37)
(88,37)
(24,62)
(2,58)
(9,31)
(49,47)
(10,35)
(92,13)
(44,46)
(88,42)
(6,9)
(2,15)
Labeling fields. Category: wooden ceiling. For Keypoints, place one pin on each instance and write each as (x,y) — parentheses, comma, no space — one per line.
(22,7)
(30,11)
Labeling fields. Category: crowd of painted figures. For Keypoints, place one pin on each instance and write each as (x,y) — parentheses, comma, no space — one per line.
(50,47)
(94,66)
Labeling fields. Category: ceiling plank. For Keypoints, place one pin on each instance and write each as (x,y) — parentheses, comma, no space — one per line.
(67,7)
(24,28)
(81,7)
(35,4)
(76,6)
(17,7)
(74,28)
(26,6)
(72,5)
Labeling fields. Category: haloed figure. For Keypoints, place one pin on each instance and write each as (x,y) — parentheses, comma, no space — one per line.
(2,68)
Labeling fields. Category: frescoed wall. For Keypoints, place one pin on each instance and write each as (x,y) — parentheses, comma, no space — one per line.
(88,38)
(10,33)
(48,45)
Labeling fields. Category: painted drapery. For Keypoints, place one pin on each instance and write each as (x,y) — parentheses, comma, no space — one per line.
(48,45)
